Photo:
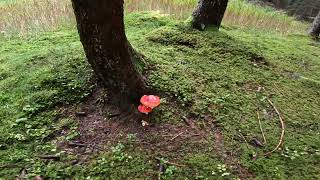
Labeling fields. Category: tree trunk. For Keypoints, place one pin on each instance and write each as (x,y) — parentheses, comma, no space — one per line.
(315,28)
(101,28)
(209,13)
(280,4)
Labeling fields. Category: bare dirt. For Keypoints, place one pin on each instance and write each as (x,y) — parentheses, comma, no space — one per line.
(102,125)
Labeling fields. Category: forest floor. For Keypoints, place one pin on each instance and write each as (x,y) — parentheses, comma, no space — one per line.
(221,91)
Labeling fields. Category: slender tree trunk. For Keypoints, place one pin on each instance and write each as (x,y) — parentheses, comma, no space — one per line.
(101,28)
(280,4)
(315,28)
(209,13)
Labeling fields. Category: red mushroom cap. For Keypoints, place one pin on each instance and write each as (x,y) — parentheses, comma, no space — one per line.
(150,101)
(144,109)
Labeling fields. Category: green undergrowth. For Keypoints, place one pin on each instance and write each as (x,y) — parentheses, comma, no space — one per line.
(37,74)
(227,75)
(6,2)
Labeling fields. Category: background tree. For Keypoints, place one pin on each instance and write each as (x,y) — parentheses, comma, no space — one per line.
(101,28)
(209,12)
(303,9)
(315,28)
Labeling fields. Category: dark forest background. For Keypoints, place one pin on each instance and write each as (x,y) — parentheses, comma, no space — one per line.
(302,9)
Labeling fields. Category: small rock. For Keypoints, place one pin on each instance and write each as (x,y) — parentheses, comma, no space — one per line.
(38,178)
(256,142)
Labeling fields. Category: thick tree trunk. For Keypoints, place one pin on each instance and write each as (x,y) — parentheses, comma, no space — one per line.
(209,13)
(101,28)
(315,28)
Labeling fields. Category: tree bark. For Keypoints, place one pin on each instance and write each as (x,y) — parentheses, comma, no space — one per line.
(209,13)
(102,33)
(315,28)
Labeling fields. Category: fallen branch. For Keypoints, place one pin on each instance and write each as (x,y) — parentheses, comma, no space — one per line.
(282,129)
(264,138)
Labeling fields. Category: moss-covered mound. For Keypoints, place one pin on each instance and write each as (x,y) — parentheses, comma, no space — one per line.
(215,82)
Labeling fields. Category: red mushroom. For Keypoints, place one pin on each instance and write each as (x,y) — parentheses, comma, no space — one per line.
(144,109)
(150,101)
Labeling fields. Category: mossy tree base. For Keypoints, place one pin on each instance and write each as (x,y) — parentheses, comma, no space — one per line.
(315,28)
(209,13)
(101,30)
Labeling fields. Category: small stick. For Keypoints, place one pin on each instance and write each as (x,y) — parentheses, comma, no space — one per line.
(118,141)
(282,129)
(244,140)
(177,136)
(81,113)
(264,138)
(54,157)
(170,163)
(195,135)
(9,166)
(113,115)
(75,144)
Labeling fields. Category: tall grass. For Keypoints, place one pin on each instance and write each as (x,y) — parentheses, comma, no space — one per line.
(245,14)
(239,13)
(180,9)
(25,16)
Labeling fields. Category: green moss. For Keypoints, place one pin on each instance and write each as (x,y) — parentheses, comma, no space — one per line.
(38,73)
(204,166)
(219,73)
(227,75)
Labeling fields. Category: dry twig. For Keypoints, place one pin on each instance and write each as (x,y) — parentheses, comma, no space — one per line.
(76,144)
(177,136)
(9,166)
(264,138)
(282,129)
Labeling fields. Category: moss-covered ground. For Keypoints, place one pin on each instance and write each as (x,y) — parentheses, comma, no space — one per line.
(222,79)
